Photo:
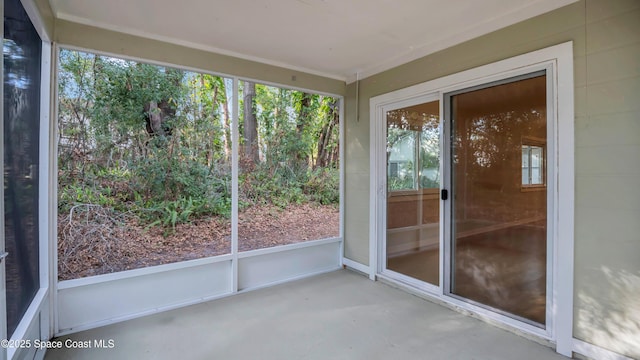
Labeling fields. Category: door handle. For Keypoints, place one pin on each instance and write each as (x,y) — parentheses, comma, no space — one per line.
(444,194)
(3,255)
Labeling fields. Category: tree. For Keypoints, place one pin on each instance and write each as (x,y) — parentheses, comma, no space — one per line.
(301,152)
(75,85)
(328,144)
(141,136)
(250,126)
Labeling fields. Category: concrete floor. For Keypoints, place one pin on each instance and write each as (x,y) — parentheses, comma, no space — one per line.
(339,315)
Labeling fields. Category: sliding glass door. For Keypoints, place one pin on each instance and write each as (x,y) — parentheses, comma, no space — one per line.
(484,211)
(497,239)
(413,187)
(498,209)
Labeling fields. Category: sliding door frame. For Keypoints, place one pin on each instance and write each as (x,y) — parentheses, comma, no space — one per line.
(558,62)
(547,70)
(381,153)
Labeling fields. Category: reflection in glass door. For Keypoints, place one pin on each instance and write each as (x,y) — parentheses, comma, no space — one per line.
(499,197)
(413,187)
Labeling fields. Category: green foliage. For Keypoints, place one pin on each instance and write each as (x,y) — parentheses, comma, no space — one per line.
(280,188)
(400,183)
(110,156)
(77,194)
(286,186)
(298,137)
(321,186)
(183,210)
(169,179)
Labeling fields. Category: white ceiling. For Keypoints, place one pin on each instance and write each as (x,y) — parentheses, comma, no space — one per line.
(334,38)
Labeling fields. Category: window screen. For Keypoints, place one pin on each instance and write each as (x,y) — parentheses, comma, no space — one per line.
(22,54)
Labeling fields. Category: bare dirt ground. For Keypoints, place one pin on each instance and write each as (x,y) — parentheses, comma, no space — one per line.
(267,226)
(94,240)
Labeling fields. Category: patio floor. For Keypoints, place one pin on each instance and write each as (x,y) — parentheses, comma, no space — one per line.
(339,315)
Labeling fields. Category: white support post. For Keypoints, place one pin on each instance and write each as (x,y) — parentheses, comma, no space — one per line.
(234,186)
(45,188)
(566,201)
(341,166)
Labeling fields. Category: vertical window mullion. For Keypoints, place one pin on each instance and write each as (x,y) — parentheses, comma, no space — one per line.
(529,153)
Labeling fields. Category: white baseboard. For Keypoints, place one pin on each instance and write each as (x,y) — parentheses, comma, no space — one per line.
(595,351)
(356,266)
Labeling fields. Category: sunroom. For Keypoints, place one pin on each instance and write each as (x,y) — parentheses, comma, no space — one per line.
(299,170)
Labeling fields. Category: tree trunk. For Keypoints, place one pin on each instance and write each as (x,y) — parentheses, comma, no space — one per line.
(328,143)
(154,118)
(227,122)
(303,120)
(214,100)
(250,127)
(157,113)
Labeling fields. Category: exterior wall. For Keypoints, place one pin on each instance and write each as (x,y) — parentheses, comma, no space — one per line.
(606,37)
(607,245)
(115,43)
(356,176)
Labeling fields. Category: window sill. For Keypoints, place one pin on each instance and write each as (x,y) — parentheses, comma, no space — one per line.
(529,188)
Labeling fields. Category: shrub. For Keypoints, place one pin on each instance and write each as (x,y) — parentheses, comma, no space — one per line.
(323,186)
(286,185)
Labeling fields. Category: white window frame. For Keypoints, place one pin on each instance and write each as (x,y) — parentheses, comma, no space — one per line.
(558,62)
(533,142)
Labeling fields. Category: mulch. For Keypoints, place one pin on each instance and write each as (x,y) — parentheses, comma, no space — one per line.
(97,241)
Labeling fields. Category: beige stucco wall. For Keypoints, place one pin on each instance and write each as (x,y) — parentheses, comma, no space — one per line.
(116,43)
(606,36)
